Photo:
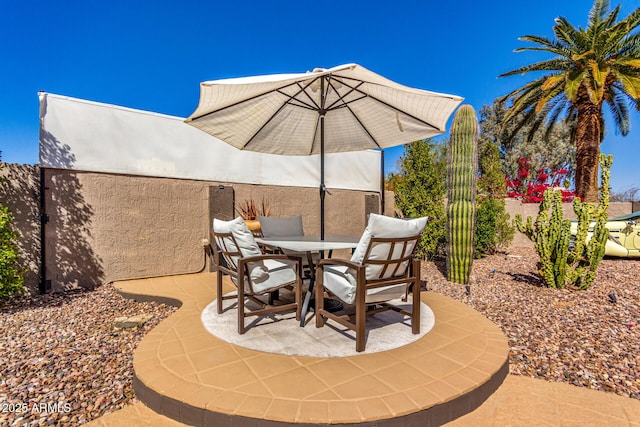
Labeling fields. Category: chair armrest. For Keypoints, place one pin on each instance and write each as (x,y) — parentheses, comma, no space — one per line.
(336,261)
(346,263)
(256,258)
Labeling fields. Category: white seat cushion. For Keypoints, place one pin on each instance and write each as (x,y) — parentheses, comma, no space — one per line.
(242,234)
(278,272)
(266,274)
(341,281)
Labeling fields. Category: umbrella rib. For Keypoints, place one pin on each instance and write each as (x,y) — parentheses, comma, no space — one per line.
(387,104)
(341,97)
(314,105)
(279,90)
(284,104)
(250,140)
(363,126)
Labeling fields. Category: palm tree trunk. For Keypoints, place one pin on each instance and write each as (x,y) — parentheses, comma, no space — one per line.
(587,149)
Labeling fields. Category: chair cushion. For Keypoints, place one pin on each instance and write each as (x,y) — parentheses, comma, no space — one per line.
(266,274)
(341,281)
(278,272)
(248,245)
(273,226)
(386,227)
(242,234)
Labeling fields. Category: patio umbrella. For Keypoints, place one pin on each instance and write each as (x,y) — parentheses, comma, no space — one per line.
(345,108)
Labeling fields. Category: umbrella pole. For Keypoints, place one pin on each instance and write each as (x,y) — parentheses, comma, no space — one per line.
(381,182)
(322,187)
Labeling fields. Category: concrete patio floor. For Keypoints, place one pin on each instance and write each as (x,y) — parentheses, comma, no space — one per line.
(183,373)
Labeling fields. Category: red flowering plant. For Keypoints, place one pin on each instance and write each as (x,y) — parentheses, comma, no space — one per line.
(530,188)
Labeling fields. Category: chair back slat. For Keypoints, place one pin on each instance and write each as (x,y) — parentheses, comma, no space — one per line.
(228,247)
(388,258)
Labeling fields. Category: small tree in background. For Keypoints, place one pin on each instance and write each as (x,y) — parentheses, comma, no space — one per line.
(11,280)
(630,194)
(588,69)
(493,228)
(419,190)
(552,150)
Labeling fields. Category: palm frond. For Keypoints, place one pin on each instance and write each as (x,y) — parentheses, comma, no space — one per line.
(542,41)
(630,83)
(628,24)
(629,47)
(555,64)
(598,12)
(611,18)
(567,33)
(574,80)
(560,106)
(597,76)
(619,111)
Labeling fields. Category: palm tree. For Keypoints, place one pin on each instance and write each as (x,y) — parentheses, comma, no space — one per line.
(592,67)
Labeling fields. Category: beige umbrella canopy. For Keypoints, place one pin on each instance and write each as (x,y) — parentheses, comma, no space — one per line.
(345,108)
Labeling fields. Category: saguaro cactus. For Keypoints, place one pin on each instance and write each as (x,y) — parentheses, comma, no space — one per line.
(462,168)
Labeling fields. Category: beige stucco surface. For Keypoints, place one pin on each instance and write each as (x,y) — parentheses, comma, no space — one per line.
(107,227)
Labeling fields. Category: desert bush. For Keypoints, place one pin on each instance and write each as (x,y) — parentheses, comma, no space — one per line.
(493,224)
(419,189)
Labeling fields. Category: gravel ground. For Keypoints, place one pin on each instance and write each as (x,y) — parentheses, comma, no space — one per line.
(577,337)
(64,350)
(62,361)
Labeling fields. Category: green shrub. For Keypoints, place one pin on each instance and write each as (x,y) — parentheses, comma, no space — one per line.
(419,191)
(493,224)
(494,231)
(11,280)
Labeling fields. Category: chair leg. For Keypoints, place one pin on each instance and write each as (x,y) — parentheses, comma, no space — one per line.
(319,290)
(415,312)
(219,290)
(360,328)
(298,296)
(274,296)
(241,308)
(361,319)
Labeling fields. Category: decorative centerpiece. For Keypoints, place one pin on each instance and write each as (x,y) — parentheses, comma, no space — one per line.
(250,212)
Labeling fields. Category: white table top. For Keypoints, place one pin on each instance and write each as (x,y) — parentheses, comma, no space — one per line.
(311,243)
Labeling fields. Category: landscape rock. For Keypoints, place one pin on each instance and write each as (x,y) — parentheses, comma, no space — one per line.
(124,322)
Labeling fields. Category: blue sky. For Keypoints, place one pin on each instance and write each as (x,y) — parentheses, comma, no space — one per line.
(151,55)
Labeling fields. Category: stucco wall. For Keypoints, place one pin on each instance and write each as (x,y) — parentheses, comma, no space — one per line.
(105,227)
(19,191)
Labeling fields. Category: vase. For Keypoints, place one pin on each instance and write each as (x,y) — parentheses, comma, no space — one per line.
(254,226)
